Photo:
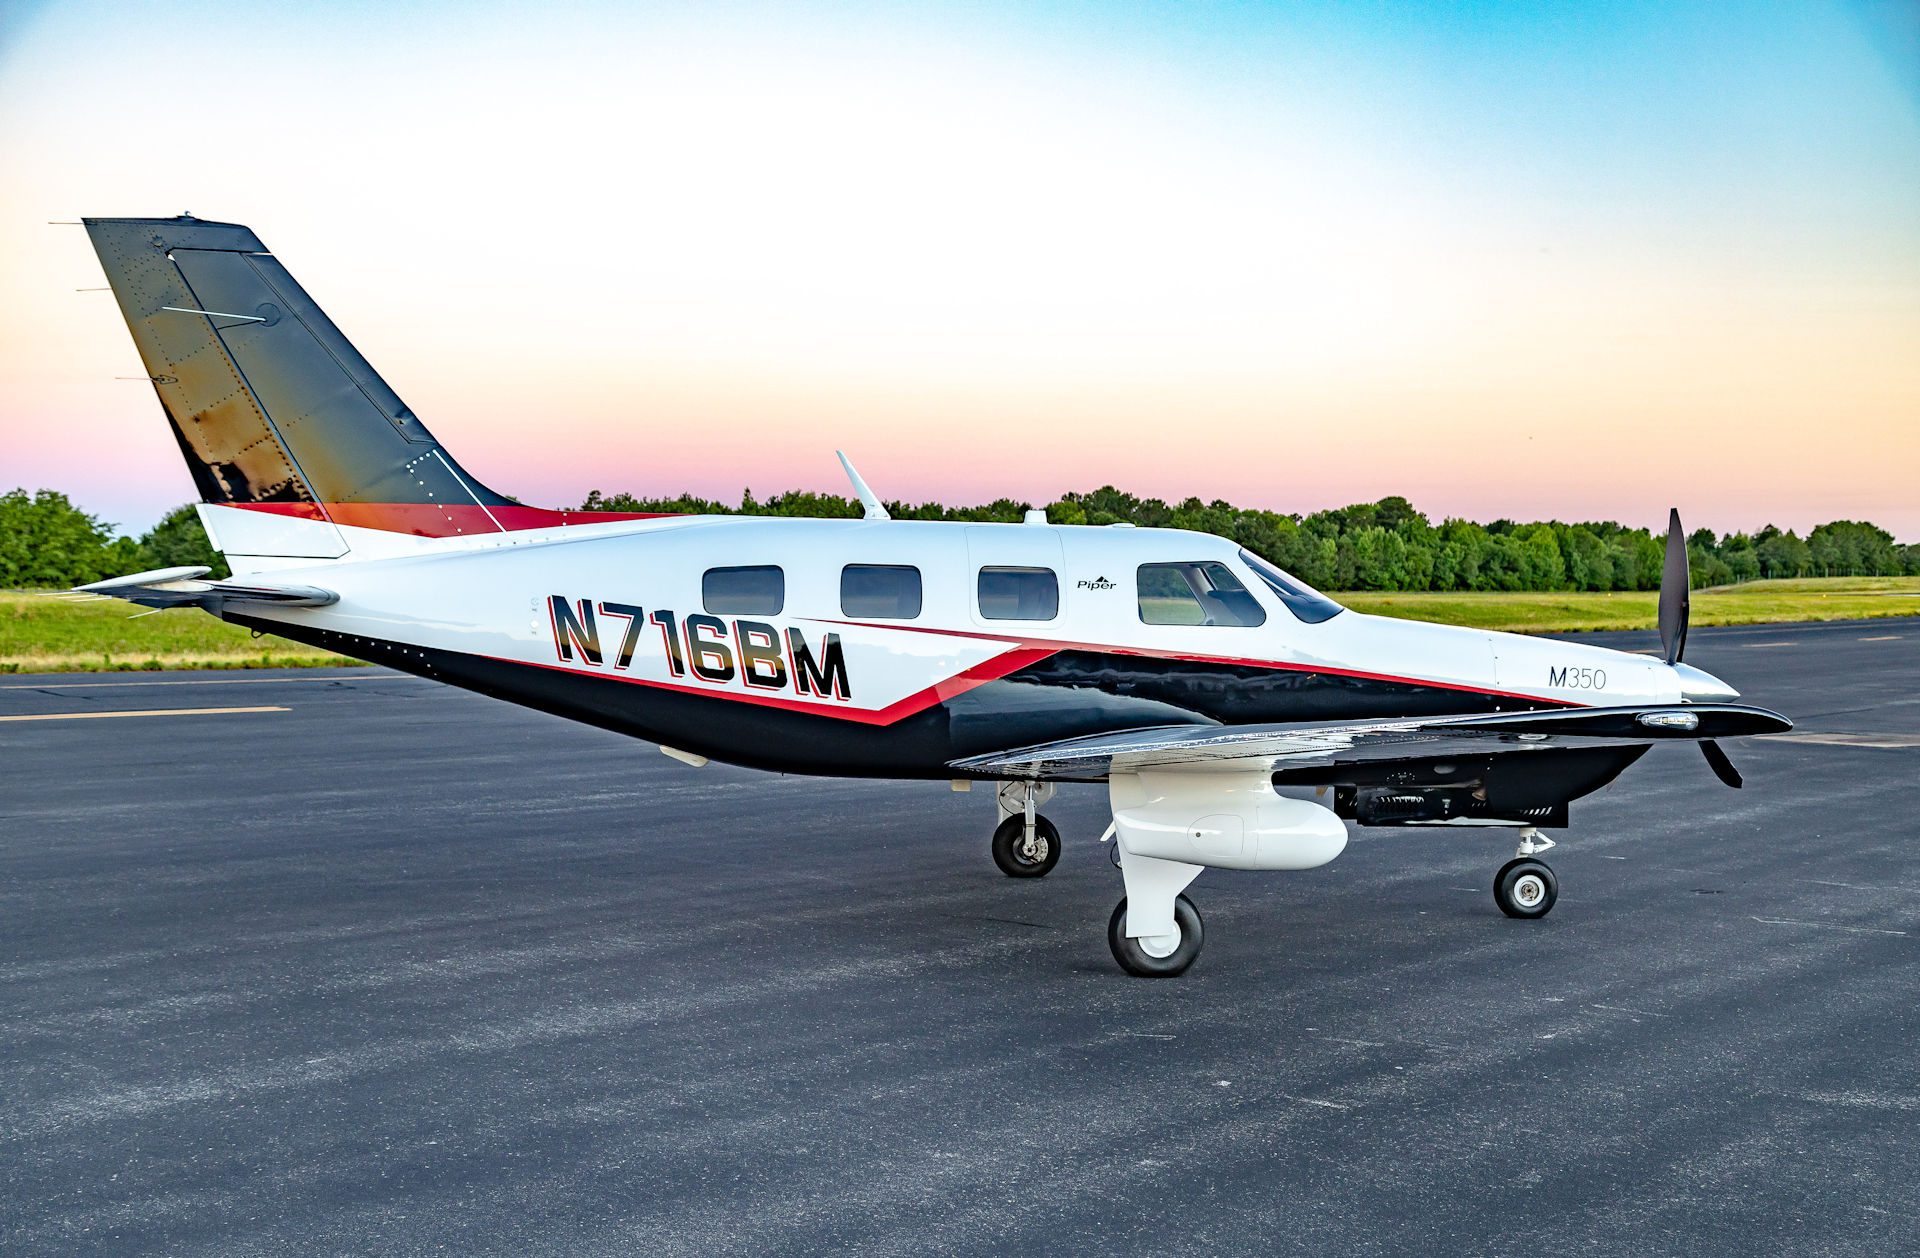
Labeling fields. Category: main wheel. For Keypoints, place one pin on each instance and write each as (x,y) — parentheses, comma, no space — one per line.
(1157,958)
(1525,887)
(1018,859)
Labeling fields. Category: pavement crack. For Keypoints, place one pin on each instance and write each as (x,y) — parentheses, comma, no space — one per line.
(1307,1100)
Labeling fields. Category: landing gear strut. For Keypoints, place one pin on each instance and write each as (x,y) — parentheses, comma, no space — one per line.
(1526,887)
(1025,844)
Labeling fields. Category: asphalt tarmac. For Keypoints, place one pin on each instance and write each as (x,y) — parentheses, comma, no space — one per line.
(390,968)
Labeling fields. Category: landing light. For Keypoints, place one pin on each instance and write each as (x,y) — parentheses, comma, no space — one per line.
(1670,720)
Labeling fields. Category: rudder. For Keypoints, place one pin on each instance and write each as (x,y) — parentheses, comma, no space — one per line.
(274,410)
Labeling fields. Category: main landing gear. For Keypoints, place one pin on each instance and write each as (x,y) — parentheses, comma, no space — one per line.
(1526,887)
(1025,844)
(1157,956)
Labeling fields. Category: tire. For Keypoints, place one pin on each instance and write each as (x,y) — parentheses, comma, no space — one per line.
(1010,836)
(1140,963)
(1525,888)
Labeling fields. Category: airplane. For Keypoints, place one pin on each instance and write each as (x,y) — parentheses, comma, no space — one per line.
(1191,676)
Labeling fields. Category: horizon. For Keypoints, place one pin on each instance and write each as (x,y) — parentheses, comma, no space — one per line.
(1579,266)
(845,494)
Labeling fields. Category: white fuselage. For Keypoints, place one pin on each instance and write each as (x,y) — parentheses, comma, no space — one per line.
(538,616)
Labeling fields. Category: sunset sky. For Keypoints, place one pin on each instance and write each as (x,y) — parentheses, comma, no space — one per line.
(1583,261)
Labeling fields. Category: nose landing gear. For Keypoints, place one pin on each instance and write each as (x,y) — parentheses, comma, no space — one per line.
(1526,887)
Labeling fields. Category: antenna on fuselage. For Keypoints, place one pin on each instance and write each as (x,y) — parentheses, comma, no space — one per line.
(874,511)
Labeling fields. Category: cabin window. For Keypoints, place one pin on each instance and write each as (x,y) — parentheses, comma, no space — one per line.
(1305,602)
(1019,594)
(879,591)
(1196,594)
(758,591)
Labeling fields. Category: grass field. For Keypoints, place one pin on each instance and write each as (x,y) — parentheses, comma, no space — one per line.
(39,634)
(48,635)
(1754,603)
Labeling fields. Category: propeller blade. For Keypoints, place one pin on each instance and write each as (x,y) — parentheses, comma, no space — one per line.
(1718,762)
(1674,604)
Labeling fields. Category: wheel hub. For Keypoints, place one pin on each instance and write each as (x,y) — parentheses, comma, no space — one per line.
(1160,947)
(1529,890)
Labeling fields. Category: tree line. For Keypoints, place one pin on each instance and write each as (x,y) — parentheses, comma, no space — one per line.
(1389,545)
(46,542)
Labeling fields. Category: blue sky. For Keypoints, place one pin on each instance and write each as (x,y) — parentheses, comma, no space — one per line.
(1289,255)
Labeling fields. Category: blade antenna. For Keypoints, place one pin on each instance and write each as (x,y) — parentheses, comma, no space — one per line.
(874,509)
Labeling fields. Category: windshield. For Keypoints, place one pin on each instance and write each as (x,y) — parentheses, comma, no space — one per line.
(1305,602)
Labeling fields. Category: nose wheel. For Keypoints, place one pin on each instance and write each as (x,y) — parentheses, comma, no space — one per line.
(1525,887)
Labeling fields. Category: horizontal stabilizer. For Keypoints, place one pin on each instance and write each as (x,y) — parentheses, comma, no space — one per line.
(183,587)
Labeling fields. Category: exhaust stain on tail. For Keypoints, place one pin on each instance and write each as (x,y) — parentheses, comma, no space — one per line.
(273,408)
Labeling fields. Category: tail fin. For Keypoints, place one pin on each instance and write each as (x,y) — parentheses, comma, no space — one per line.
(274,410)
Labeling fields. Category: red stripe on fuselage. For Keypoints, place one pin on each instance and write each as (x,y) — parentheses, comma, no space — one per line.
(432,519)
(294,510)
(941,691)
(1104,648)
(1024,653)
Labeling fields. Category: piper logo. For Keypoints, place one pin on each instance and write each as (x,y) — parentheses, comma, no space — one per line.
(1098,583)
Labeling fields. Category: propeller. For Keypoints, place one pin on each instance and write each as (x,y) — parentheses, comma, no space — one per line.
(1718,762)
(1675,609)
(1675,606)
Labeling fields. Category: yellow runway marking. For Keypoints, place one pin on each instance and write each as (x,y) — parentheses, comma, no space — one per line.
(1886,742)
(210,681)
(95,716)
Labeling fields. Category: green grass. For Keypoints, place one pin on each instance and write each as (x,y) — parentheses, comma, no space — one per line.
(39,634)
(1756,602)
(50,635)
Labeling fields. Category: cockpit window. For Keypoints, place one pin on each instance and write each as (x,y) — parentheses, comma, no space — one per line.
(1305,602)
(1195,594)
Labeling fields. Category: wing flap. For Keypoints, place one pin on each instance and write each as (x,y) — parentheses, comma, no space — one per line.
(1327,744)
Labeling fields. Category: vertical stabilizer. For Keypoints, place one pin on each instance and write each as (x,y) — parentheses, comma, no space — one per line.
(275,411)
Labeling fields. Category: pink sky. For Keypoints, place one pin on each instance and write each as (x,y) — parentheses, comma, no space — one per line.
(988,261)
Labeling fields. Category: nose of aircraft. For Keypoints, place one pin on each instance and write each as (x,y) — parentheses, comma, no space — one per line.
(1697,685)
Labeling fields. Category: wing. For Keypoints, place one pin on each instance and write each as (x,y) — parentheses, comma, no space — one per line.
(183,587)
(1318,745)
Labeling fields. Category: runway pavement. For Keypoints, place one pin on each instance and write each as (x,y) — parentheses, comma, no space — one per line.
(367,965)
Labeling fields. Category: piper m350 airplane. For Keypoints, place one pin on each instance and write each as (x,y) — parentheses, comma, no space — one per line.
(1189,675)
